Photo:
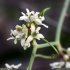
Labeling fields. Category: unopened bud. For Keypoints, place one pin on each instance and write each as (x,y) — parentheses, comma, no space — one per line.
(68,51)
(18,28)
(66,57)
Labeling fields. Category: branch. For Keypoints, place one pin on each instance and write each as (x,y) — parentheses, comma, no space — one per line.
(45,57)
(61,20)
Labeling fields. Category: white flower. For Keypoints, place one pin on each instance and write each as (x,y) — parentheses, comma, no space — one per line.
(16,35)
(33,17)
(38,19)
(68,51)
(26,17)
(35,32)
(27,42)
(20,35)
(13,66)
(67,65)
(66,57)
(57,64)
(34,35)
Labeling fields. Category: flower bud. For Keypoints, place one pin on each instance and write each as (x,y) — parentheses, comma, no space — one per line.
(66,57)
(18,28)
(68,51)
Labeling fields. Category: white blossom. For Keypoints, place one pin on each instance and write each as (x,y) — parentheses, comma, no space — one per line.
(67,65)
(26,17)
(66,57)
(16,35)
(13,66)
(57,64)
(33,17)
(68,51)
(20,35)
(35,32)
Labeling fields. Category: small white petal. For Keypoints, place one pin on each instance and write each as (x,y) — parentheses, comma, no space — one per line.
(32,12)
(68,51)
(8,66)
(38,36)
(22,42)
(15,41)
(16,66)
(38,21)
(27,45)
(42,18)
(23,13)
(56,65)
(14,32)
(32,28)
(37,30)
(32,18)
(25,18)
(29,39)
(67,64)
(10,38)
(44,25)
(36,15)
(27,10)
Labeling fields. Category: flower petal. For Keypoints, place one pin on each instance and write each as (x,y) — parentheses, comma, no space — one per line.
(27,45)
(29,39)
(25,18)
(14,32)
(32,28)
(38,36)
(8,66)
(37,30)
(10,38)
(44,25)
(23,13)
(42,18)
(28,12)
(22,42)
(56,65)
(38,21)
(67,64)
(16,66)
(15,41)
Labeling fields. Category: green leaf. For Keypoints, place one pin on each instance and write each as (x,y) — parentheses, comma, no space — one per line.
(42,13)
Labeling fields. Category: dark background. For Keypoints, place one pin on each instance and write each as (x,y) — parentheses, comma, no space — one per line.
(10,11)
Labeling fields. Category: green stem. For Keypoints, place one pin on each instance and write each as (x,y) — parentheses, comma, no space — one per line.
(44,56)
(61,20)
(46,45)
(51,45)
(32,55)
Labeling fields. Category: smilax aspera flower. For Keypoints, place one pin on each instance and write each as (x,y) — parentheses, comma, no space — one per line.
(33,17)
(29,31)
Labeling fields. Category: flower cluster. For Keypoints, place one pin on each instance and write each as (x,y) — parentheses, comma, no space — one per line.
(60,64)
(29,31)
(12,66)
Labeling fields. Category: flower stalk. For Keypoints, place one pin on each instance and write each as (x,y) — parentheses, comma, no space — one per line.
(32,55)
(61,19)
